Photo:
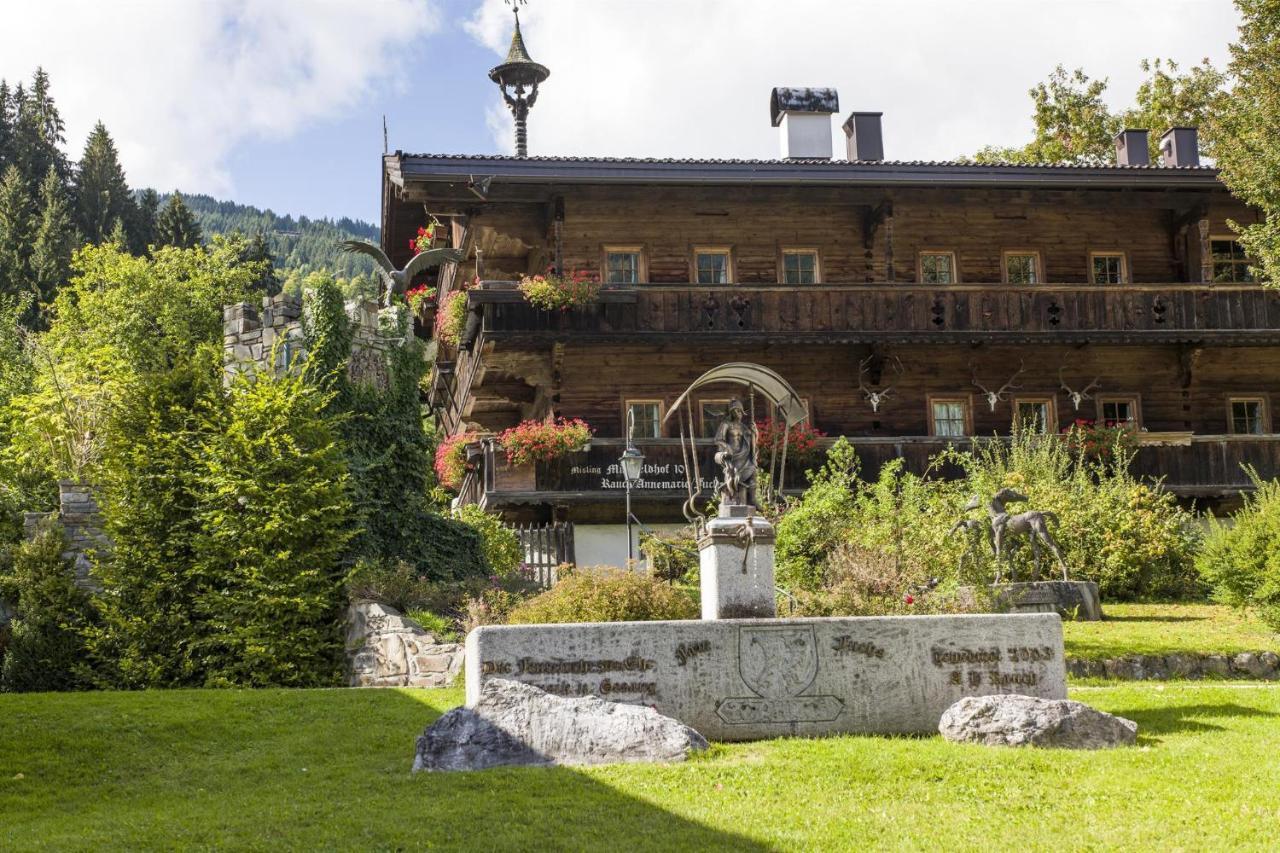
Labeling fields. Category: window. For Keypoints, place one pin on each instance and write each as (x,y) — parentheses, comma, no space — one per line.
(799,266)
(1038,414)
(1248,415)
(1108,268)
(949,416)
(712,266)
(1230,263)
(937,268)
(710,413)
(622,265)
(1118,411)
(1022,267)
(645,416)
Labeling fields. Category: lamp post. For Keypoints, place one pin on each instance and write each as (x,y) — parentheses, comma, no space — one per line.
(632,462)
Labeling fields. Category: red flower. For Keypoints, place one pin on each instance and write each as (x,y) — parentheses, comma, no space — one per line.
(909,599)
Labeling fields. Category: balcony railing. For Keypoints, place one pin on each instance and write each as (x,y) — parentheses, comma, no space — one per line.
(1196,466)
(861,312)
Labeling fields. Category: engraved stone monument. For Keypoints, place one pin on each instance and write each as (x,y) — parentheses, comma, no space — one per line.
(735,560)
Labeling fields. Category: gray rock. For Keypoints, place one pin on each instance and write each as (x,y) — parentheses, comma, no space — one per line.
(1016,720)
(1217,665)
(386,649)
(516,724)
(1251,664)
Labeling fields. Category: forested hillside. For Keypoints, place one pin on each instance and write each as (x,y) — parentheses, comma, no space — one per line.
(298,246)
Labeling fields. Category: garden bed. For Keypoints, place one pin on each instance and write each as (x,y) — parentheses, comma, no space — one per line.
(330,768)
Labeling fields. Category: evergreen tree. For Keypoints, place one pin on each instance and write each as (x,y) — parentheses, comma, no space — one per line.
(146,209)
(176,226)
(38,133)
(6,125)
(102,194)
(17,225)
(1247,130)
(55,240)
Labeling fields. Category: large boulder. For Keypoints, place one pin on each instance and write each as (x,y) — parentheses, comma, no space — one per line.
(1016,720)
(516,723)
(387,649)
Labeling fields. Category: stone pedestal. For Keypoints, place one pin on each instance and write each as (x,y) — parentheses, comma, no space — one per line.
(1070,599)
(736,566)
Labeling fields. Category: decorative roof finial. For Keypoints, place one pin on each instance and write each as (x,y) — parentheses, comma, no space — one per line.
(521,74)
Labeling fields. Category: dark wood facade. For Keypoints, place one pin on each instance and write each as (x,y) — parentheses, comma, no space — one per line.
(1173,343)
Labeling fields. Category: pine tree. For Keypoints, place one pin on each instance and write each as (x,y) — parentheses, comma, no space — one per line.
(102,195)
(6,125)
(38,133)
(176,225)
(143,232)
(17,225)
(55,239)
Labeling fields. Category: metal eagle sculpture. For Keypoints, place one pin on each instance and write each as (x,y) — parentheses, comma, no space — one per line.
(397,281)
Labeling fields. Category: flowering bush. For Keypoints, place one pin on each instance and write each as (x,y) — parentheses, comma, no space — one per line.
(566,291)
(451,318)
(802,440)
(1099,441)
(543,441)
(451,459)
(419,297)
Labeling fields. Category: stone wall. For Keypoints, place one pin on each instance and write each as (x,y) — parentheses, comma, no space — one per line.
(271,338)
(81,521)
(1245,665)
(385,649)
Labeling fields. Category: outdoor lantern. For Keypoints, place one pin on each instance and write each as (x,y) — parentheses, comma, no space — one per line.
(632,462)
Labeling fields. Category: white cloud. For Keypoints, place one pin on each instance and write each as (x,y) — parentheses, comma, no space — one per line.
(692,77)
(179,83)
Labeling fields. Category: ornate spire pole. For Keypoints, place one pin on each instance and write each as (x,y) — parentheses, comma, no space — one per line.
(521,75)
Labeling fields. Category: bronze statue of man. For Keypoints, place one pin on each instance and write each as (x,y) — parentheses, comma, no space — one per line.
(736,455)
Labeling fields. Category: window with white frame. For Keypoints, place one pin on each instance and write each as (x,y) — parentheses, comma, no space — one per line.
(937,268)
(799,266)
(1118,411)
(1108,268)
(712,266)
(1022,267)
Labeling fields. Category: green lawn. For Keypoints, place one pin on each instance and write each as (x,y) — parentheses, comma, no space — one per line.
(330,769)
(1158,629)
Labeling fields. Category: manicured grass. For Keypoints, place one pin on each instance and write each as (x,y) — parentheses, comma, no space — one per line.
(1160,629)
(329,769)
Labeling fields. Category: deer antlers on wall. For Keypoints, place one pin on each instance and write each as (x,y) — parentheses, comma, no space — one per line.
(1078,397)
(879,395)
(994,397)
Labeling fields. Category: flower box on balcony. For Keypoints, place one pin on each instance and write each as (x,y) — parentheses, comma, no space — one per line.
(514,478)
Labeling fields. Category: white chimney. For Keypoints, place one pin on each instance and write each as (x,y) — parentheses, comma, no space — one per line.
(804,118)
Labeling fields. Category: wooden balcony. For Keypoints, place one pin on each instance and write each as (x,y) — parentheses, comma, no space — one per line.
(1210,466)
(851,313)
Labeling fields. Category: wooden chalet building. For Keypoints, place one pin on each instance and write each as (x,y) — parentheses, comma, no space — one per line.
(848,275)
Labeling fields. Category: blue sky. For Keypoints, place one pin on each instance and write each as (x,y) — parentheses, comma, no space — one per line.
(279,103)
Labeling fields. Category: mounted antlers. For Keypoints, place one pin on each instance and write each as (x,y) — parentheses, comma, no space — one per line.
(994,397)
(875,398)
(1078,397)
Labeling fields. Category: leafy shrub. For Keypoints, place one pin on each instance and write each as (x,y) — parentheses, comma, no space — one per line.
(672,557)
(396,583)
(605,595)
(862,581)
(45,648)
(543,441)
(1242,559)
(273,521)
(551,292)
(498,543)
(493,606)
(812,527)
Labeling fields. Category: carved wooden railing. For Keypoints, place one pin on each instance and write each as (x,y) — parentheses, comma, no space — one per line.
(1205,466)
(1146,312)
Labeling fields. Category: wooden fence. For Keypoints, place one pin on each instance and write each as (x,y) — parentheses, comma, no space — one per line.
(544,547)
